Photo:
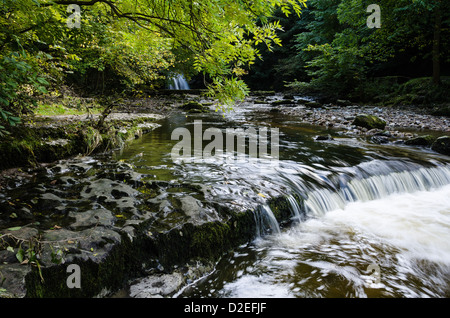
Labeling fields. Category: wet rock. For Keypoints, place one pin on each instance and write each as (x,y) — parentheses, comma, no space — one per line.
(442,145)
(343,102)
(92,218)
(379,139)
(195,210)
(324,137)
(425,141)
(302,100)
(108,190)
(194,107)
(369,122)
(157,286)
(283,102)
(312,104)
(12,278)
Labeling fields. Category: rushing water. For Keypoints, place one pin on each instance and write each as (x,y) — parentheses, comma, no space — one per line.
(178,82)
(371,220)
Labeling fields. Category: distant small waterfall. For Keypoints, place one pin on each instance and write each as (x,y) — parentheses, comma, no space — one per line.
(178,82)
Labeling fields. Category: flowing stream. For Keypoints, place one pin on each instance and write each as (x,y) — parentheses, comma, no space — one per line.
(368,220)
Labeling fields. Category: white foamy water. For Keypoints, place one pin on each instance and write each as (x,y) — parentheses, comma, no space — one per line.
(406,236)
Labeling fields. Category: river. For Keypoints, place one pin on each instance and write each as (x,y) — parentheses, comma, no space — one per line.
(368,220)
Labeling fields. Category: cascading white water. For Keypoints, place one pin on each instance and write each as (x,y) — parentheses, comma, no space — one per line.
(376,187)
(397,223)
(266,221)
(178,82)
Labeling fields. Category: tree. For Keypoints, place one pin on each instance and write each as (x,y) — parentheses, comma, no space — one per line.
(345,53)
(218,36)
(134,41)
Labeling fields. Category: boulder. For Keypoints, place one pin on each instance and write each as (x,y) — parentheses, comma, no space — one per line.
(442,145)
(324,137)
(425,141)
(313,104)
(343,102)
(378,139)
(369,122)
(194,107)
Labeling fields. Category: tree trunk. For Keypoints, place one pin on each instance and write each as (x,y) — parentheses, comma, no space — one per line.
(437,43)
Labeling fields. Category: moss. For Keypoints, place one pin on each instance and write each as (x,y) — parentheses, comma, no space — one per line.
(29,145)
(208,241)
(178,246)
(281,210)
(425,141)
(442,145)
(369,122)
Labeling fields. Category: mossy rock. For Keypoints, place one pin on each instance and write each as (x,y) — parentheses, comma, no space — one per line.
(441,111)
(194,107)
(369,122)
(442,145)
(425,141)
(313,104)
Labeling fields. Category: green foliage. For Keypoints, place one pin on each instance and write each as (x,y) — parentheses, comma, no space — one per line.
(343,56)
(121,44)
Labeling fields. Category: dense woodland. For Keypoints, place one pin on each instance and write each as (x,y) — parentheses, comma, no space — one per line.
(322,47)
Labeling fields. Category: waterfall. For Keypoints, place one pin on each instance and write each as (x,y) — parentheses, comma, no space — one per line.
(364,187)
(376,187)
(178,82)
(367,182)
(266,221)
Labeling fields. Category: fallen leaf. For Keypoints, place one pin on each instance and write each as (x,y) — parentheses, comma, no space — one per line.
(261,195)
(14,228)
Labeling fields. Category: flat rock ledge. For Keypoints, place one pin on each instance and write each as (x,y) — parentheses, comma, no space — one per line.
(52,138)
(117,229)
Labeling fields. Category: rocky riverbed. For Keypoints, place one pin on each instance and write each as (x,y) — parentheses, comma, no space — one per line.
(411,125)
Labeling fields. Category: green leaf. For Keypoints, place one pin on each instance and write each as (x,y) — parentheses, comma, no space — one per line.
(14,228)
(42,80)
(10,249)
(20,255)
